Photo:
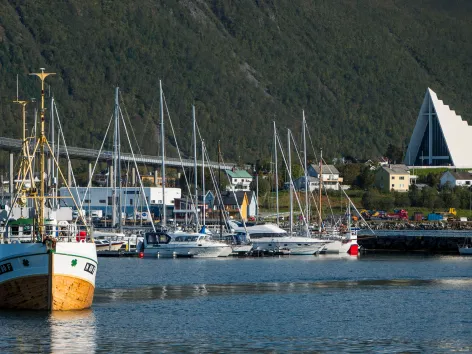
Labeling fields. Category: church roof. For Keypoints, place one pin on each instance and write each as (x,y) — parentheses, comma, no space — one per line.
(456,132)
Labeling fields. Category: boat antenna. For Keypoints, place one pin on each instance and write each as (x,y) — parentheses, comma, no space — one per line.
(42,143)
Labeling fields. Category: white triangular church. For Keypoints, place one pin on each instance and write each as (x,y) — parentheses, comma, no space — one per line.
(440,137)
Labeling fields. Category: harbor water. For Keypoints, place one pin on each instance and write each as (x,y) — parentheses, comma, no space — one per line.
(375,303)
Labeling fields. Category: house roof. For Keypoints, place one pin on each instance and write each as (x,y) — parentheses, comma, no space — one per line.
(228,197)
(327,169)
(238,174)
(396,169)
(461,175)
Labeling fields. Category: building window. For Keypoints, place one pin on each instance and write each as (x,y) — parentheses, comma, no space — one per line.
(393,185)
(131,202)
(110,201)
(467,182)
(393,177)
(102,201)
(402,178)
(87,201)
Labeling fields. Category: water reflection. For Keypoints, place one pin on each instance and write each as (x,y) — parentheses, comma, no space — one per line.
(175,292)
(73,331)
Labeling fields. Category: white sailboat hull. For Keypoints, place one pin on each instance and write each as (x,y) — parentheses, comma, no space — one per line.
(465,251)
(34,278)
(295,245)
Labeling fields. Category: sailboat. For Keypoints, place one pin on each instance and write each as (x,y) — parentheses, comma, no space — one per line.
(45,273)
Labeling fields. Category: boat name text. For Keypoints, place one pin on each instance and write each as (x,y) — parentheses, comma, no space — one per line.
(5,268)
(89,268)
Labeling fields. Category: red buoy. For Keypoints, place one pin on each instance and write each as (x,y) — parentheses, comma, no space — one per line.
(141,254)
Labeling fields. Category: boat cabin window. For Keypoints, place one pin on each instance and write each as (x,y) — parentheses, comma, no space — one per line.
(154,238)
(186,238)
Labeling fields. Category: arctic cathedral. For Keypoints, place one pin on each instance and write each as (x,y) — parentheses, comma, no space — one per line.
(440,137)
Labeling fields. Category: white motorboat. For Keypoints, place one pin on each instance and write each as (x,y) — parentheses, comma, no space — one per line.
(181,244)
(104,245)
(271,238)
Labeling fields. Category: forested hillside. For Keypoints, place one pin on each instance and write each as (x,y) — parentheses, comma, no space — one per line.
(359,69)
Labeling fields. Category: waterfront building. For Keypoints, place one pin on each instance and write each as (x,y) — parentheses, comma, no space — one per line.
(234,202)
(393,178)
(132,199)
(440,136)
(456,179)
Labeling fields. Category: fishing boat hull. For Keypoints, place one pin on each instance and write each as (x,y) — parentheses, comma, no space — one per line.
(37,277)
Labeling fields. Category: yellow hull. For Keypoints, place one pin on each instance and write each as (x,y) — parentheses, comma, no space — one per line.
(36,293)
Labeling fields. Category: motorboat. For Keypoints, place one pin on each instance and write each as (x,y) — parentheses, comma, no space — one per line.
(465,250)
(271,238)
(181,244)
(105,245)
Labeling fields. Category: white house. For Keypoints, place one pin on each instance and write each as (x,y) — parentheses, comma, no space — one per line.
(456,179)
(239,180)
(329,175)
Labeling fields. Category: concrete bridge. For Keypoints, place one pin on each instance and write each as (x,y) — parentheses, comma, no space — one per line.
(10,144)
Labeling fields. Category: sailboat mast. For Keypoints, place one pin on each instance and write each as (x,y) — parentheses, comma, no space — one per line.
(307,220)
(290,182)
(163,164)
(42,143)
(116,217)
(203,181)
(195,164)
(54,191)
(219,187)
(276,176)
(320,188)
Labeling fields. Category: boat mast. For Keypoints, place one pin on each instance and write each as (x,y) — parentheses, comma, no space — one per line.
(307,219)
(276,176)
(290,181)
(320,188)
(116,170)
(195,165)
(163,165)
(219,187)
(203,181)
(42,142)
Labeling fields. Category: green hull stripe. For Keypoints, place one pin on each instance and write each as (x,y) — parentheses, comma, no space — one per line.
(75,255)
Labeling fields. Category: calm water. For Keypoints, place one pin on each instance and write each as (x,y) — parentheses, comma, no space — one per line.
(371,304)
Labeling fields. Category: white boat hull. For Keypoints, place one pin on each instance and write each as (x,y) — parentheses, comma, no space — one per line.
(294,245)
(338,246)
(31,277)
(226,251)
(241,249)
(465,251)
(172,250)
(115,246)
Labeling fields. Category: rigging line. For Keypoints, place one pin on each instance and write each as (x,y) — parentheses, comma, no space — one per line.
(234,195)
(132,130)
(178,151)
(326,165)
(67,151)
(139,176)
(217,190)
(305,173)
(95,164)
(291,180)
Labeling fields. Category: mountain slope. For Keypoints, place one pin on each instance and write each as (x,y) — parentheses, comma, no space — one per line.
(358,69)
